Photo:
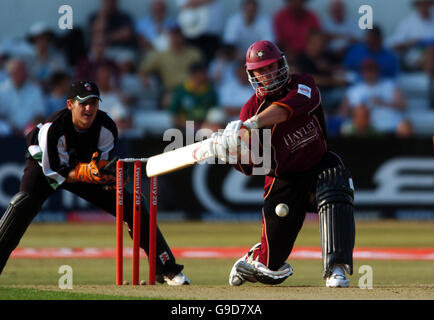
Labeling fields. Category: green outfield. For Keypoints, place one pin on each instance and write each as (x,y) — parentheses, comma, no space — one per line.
(94,278)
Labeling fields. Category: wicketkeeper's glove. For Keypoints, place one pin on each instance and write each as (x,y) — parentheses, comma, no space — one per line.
(110,170)
(95,171)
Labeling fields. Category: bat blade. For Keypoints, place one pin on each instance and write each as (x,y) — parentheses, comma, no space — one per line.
(177,159)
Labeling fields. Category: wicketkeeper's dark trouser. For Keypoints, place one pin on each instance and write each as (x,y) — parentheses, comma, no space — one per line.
(325,189)
(35,190)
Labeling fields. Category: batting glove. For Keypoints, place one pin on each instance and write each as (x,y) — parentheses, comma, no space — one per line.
(234,131)
(251,123)
(228,145)
(221,149)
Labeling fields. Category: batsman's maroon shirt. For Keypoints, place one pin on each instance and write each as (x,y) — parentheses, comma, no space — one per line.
(298,143)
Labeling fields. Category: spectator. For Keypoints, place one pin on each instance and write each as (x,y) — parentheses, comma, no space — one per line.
(381,96)
(414,33)
(342,32)
(112,99)
(152,29)
(372,48)
(201,22)
(73,45)
(171,66)
(194,98)
(405,129)
(138,93)
(47,59)
(235,92)
(58,91)
(292,25)
(87,66)
(223,65)
(360,124)
(4,56)
(215,120)
(5,128)
(21,101)
(245,27)
(428,67)
(325,69)
(425,79)
(141,94)
(116,26)
(418,87)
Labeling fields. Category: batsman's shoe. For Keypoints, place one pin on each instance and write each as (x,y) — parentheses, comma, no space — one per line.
(176,280)
(337,279)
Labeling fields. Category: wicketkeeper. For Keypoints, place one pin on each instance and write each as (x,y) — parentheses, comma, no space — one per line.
(304,174)
(71,151)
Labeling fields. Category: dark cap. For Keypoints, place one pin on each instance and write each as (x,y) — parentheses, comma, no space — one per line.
(83,90)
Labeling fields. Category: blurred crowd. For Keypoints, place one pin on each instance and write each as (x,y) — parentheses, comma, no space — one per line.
(162,69)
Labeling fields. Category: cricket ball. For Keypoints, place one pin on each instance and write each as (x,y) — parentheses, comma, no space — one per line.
(282,210)
(143,283)
(125,283)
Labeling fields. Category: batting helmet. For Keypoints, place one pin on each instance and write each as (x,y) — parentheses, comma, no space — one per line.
(261,54)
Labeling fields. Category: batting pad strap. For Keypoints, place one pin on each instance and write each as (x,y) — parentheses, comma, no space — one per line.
(268,276)
(334,185)
(246,270)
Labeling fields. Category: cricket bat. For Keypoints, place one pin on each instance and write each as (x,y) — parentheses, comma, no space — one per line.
(178,159)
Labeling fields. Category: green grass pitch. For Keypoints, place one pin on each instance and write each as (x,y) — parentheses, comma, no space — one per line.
(93,279)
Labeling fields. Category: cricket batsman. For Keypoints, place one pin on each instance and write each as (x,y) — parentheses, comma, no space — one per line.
(305,176)
(71,151)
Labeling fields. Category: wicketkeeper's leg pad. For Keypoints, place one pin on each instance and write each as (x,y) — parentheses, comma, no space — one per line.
(14,223)
(335,197)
